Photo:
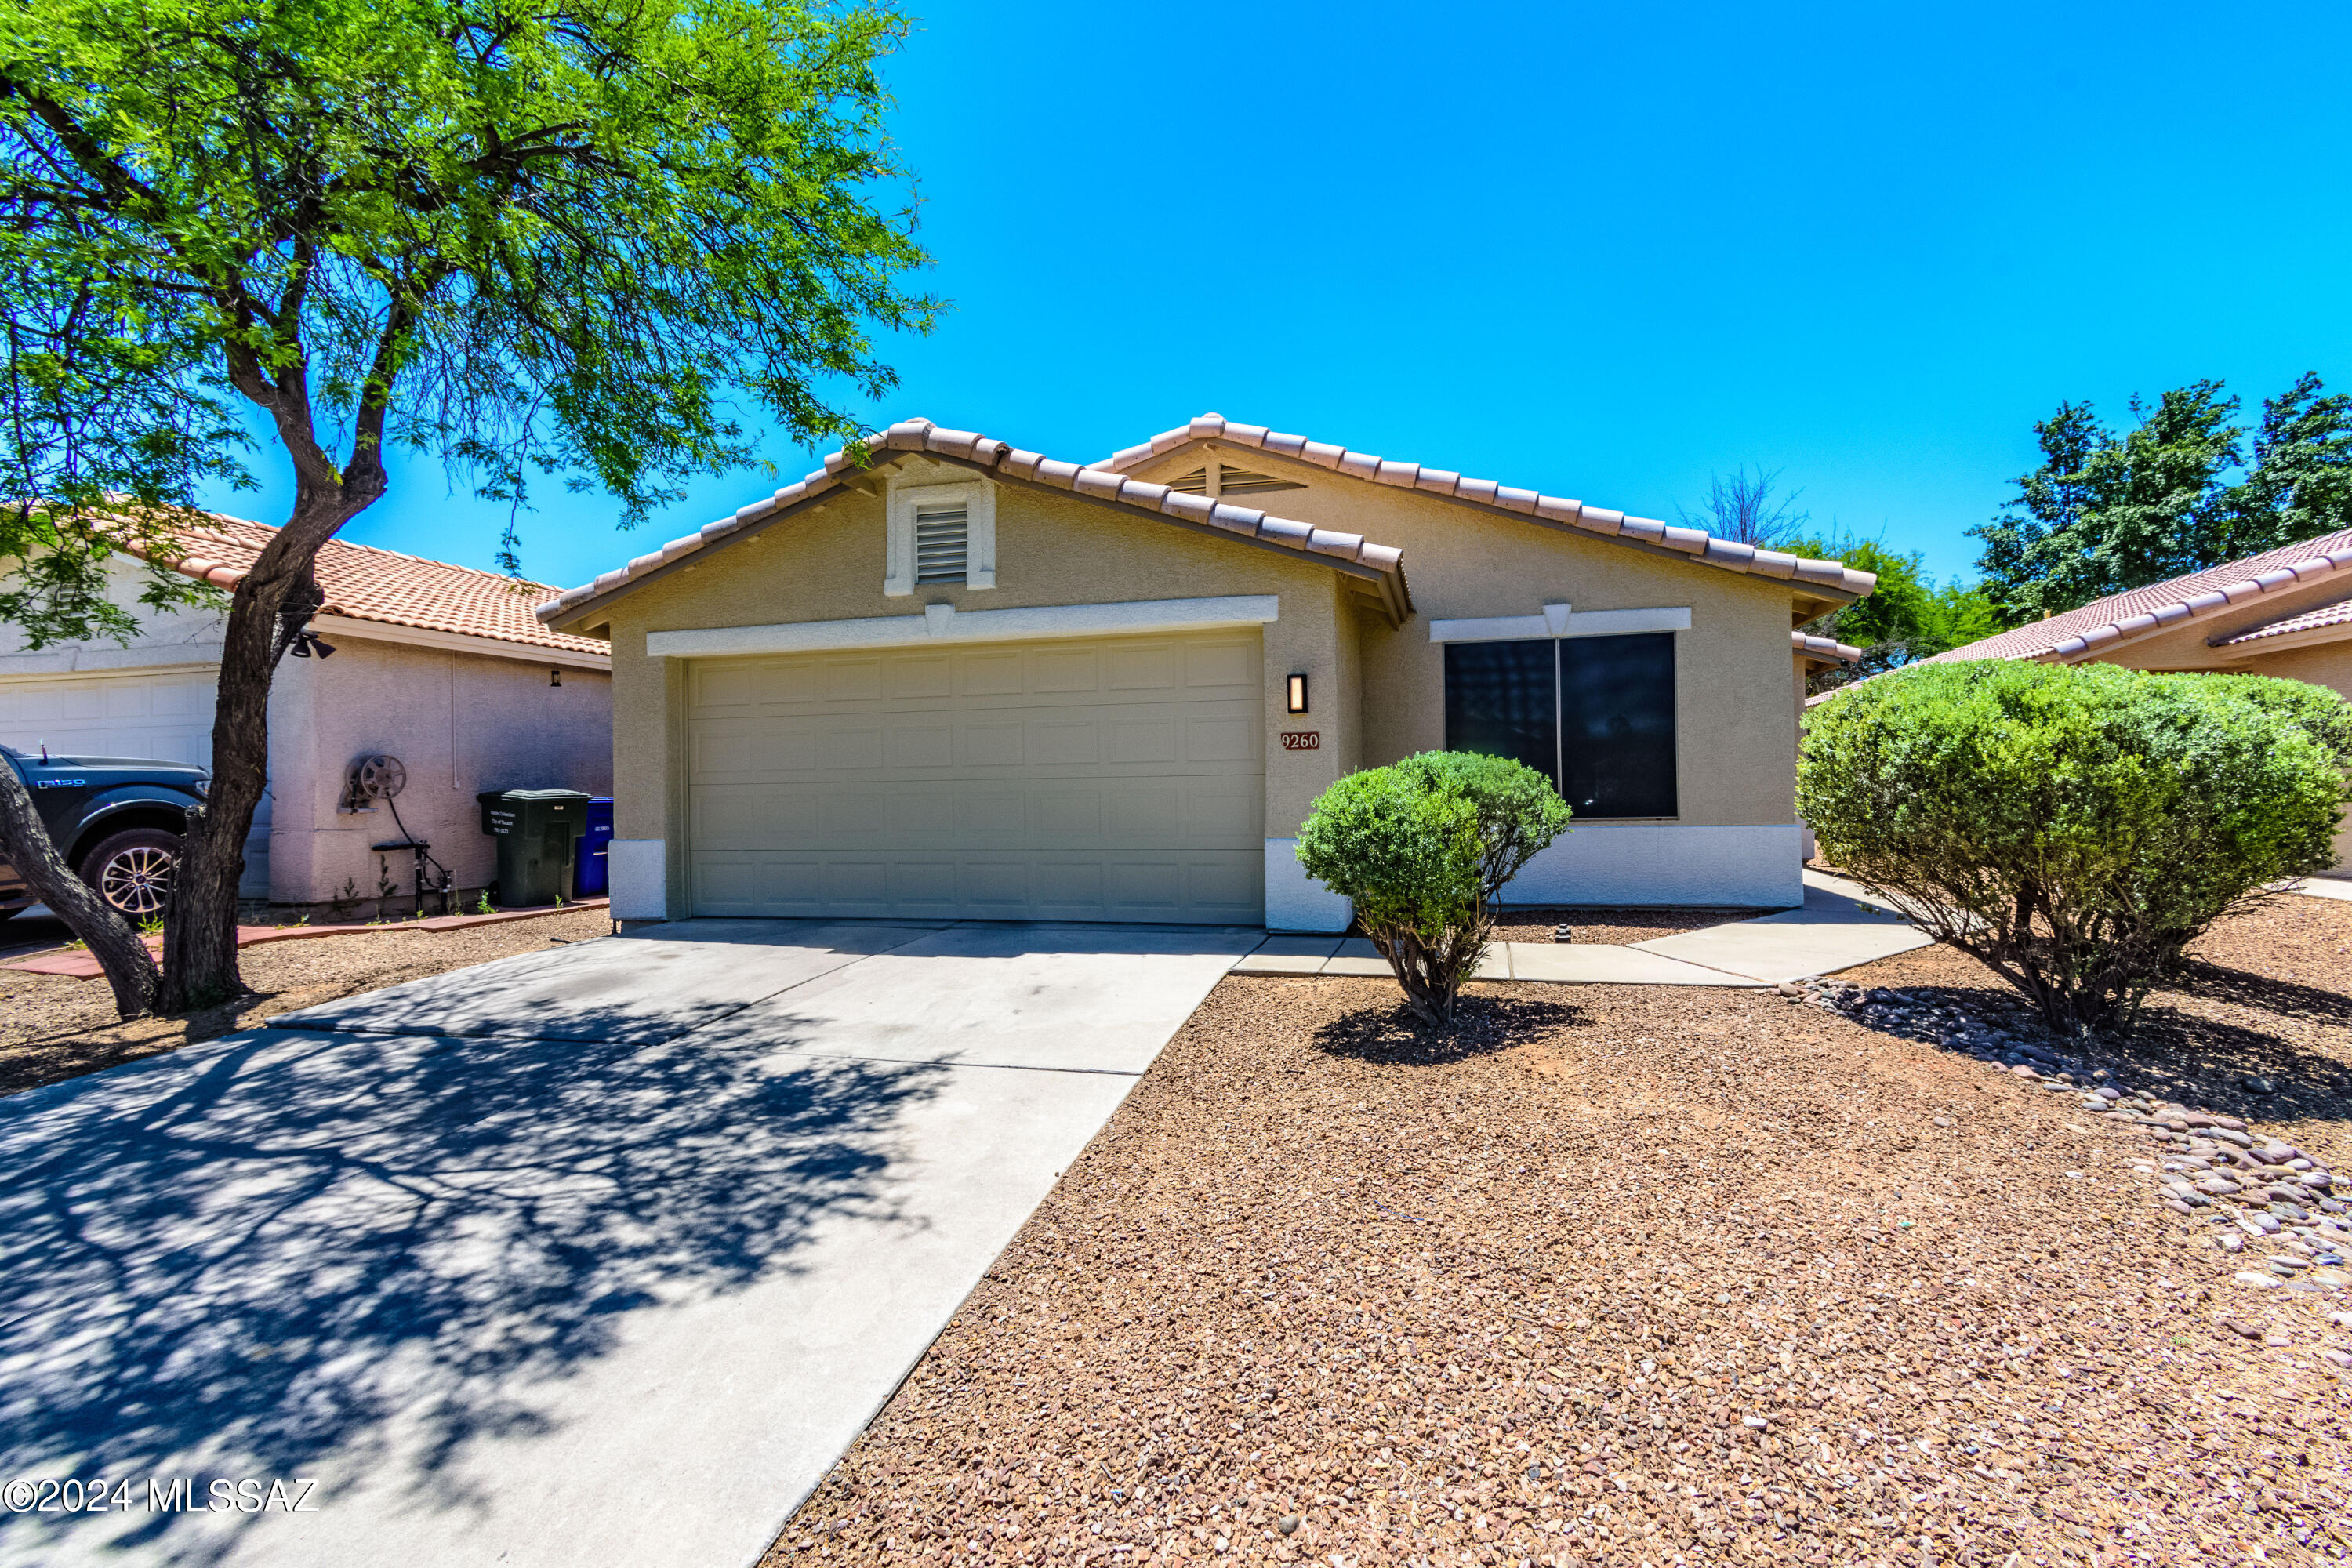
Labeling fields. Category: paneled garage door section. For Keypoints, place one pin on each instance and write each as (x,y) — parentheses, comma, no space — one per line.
(1119,780)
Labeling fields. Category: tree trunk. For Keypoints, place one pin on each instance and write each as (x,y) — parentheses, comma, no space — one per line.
(200,966)
(25,839)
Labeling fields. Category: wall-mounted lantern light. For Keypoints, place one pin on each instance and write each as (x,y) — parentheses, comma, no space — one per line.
(1299,694)
(556,678)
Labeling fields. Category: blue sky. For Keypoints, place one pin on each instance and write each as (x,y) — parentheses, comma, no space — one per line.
(1602,251)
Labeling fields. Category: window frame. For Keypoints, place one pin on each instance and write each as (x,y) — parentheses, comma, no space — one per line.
(1559,727)
(978,498)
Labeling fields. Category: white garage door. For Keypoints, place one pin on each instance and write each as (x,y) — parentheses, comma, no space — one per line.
(167,715)
(1119,780)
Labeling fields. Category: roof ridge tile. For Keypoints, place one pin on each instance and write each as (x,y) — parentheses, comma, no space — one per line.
(1727,554)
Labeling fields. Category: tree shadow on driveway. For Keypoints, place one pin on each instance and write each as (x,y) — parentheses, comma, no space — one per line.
(248,1255)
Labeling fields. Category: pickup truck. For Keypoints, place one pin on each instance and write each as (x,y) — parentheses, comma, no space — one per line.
(118,821)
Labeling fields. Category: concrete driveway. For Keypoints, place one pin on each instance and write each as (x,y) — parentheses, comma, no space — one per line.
(595,1256)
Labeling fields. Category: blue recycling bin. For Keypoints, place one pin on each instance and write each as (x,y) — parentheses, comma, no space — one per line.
(591,869)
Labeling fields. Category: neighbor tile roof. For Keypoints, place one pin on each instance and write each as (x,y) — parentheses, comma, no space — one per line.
(985,452)
(1696,544)
(2338,613)
(1825,647)
(369,585)
(2089,628)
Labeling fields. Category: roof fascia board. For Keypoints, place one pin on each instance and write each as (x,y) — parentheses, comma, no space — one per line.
(458,642)
(1800,587)
(2310,636)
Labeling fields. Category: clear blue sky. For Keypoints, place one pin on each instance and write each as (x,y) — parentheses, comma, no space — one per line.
(1600,250)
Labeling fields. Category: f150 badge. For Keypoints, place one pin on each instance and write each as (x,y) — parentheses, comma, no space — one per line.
(59,783)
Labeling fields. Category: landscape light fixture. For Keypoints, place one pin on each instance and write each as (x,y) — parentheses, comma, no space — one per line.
(1299,694)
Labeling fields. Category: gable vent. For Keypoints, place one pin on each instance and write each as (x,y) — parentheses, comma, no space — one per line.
(1232,482)
(942,543)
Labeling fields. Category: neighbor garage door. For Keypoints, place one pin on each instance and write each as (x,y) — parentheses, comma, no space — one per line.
(1119,780)
(166,715)
(163,714)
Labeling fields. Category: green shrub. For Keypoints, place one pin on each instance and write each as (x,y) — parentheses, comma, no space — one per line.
(2073,828)
(1421,847)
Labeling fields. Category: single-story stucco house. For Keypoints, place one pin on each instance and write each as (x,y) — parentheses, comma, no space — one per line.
(969,681)
(2285,612)
(443,666)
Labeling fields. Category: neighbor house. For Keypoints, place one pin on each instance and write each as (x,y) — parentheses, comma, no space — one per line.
(443,666)
(969,681)
(2286,612)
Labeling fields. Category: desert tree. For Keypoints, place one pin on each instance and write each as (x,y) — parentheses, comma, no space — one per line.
(2184,488)
(580,242)
(1748,508)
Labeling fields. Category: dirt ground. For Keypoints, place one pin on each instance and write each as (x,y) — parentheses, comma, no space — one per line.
(52,1027)
(1614,927)
(1639,1276)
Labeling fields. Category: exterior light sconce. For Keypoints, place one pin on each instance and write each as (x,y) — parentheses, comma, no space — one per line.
(556,678)
(1299,694)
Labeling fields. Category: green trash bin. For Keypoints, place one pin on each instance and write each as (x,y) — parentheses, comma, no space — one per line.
(536,829)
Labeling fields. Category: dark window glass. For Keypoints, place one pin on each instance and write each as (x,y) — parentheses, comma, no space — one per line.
(1617,725)
(1501,700)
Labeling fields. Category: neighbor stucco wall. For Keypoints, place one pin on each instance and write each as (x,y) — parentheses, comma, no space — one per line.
(2322,664)
(827,564)
(459,723)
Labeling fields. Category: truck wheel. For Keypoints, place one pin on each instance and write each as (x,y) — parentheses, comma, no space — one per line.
(132,870)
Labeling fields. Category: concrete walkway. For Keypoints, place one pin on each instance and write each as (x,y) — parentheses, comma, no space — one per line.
(596,1255)
(1839,926)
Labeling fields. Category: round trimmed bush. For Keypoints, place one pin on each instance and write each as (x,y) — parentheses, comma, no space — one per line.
(2073,828)
(1421,847)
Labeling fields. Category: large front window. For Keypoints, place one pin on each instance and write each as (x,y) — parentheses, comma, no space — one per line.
(1594,715)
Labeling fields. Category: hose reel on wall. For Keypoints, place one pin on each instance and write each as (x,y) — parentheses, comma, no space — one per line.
(382,777)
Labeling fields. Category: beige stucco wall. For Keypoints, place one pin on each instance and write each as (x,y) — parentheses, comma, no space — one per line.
(459,723)
(1735,731)
(2322,664)
(827,564)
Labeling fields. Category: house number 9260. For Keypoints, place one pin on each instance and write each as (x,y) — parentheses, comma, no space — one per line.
(1302,739)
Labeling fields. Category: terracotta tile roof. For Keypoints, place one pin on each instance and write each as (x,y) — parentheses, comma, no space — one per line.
(1383,563)
(1825,647)
(2103,621)
(1696,544)
(369,585)
(2338,613)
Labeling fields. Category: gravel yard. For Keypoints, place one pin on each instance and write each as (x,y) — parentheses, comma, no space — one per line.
(52,1027)
(1658,1275)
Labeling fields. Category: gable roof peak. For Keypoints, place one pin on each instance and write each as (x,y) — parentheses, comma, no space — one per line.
(1697,544)
(1380,564)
